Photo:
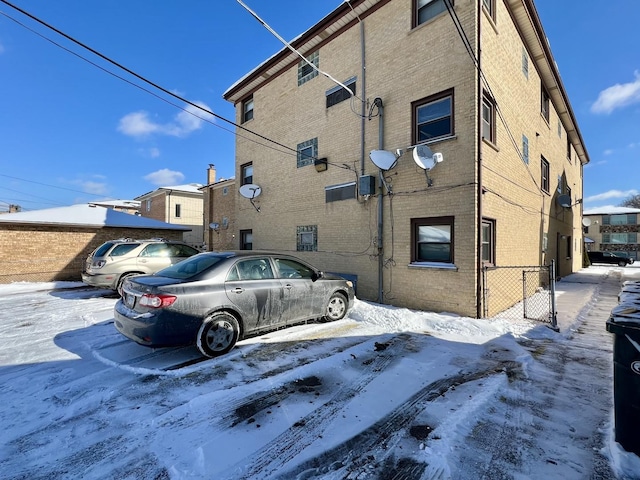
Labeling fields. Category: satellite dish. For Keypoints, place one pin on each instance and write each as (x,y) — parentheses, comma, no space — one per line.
(586,222)
(214,226)
(383,159)
(564,201)
(250,190)
(425,158)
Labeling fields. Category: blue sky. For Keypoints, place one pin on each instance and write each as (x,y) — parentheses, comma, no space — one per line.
(71,133)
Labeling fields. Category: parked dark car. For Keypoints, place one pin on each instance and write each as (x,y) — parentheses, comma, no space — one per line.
(610,258)
(214,299)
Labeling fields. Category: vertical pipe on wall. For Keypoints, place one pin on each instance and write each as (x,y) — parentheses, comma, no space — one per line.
(479,288)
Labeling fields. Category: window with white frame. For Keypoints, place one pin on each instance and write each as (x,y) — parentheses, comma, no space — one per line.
(432,240)
(488,119)
(488,241)
(433,117)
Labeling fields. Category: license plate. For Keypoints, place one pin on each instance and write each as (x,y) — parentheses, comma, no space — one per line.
(129,300)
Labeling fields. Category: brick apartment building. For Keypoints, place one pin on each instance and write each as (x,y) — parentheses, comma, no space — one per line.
(613,229)
(219,212)
(509,188)
(179,205)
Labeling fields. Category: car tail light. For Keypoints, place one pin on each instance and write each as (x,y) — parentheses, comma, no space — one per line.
(156,301)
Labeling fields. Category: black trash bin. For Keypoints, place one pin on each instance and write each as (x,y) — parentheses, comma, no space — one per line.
(624,323)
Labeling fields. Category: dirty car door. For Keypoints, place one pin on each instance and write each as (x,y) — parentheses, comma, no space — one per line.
(303,298)
(252,287)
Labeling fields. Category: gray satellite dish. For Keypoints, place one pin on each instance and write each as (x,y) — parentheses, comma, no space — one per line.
(425,158)
(250,190)
(214,226)
(383,159)
(564,201)
(586,222)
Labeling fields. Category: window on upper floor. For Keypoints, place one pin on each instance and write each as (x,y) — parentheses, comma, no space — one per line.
(305,71)
(432,240)
(425,10)
(178,210)
(307,152)
(568,148)
(488,241)
(620,219)
(338,94)
(545,180)
(433,117)
(525,149)
(488,119)
(246,172)
(307,238)
(525,63)
(148,205)
(247,109)
(544,103)
(490,7)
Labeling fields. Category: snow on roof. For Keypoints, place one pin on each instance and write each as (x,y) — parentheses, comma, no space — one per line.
(88,216)
(118,203)
(609,210)
(190,187)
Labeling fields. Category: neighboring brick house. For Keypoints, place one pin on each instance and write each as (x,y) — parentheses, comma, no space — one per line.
(613,229)
(126,206)
(179,205)
(52,244)
(219,212)
(508,191)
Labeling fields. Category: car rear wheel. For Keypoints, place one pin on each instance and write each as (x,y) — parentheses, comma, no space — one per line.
(622,264)
(336,308)
(218,334)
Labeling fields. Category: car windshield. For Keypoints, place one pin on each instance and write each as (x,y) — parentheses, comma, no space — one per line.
(190,267)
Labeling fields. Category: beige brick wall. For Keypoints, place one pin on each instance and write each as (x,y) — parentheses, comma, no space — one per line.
(220,203)
(404,65)
(44,254)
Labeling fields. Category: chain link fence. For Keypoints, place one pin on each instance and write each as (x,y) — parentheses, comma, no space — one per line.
(518,292)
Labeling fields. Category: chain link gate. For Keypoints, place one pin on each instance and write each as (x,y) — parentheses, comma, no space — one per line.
(520,292)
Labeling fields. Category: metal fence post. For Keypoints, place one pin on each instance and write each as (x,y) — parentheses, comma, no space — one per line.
(552,286)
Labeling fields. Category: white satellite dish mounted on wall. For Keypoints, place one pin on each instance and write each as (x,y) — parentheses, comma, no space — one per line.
(251,191)
(383,159)
(586,222)
(425,158)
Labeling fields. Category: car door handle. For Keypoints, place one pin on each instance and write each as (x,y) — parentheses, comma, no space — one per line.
(288,286)
(238,290)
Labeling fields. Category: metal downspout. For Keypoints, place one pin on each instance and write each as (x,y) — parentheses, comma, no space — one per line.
(363,111)
(378,102)
(479,287)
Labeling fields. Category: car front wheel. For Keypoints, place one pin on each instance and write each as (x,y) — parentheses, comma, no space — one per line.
(218,334)
(336,308)
(622,264)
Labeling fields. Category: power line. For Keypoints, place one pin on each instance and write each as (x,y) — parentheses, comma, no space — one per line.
(131,72)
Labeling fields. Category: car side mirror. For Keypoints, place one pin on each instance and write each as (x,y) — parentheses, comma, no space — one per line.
(316,275)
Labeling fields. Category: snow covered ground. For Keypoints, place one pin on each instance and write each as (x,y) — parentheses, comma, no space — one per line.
(386,393)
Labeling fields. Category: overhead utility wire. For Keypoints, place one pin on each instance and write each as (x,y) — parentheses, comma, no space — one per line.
(290,47)
(474,59)
(131,72)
